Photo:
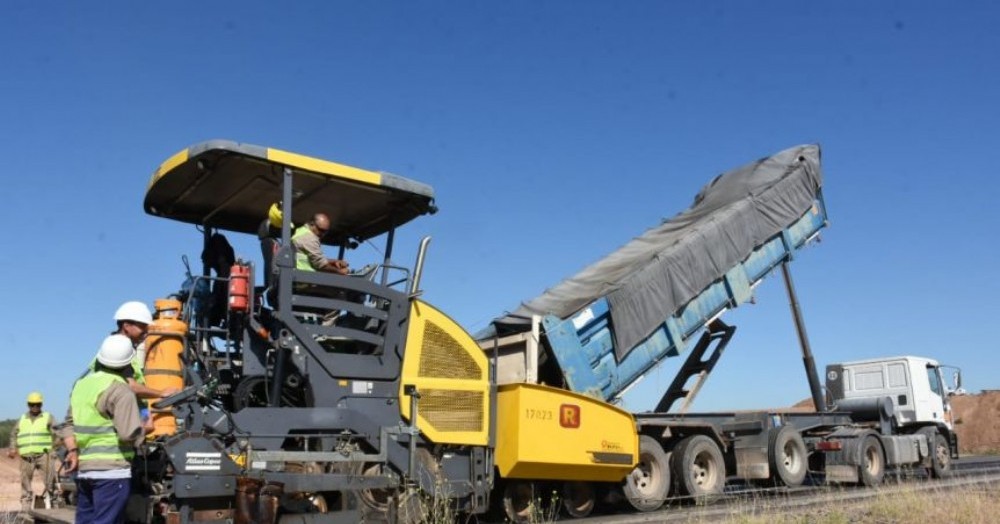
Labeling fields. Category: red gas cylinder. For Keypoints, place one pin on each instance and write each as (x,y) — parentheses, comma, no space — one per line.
(239,288)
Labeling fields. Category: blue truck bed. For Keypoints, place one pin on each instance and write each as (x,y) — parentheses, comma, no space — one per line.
(583,344)
(620,316)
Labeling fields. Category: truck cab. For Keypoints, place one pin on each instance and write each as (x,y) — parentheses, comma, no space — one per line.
(915,387)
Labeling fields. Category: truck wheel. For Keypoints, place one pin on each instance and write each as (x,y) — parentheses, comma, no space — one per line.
(940,456)
(872,462)
(518,501)
(787,456)
(646,488)
(698,467)
(578,499)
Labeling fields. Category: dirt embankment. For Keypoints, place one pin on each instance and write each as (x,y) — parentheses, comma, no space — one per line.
(977,422)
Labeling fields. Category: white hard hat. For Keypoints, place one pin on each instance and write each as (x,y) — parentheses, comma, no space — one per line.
(116,352)
(135,312)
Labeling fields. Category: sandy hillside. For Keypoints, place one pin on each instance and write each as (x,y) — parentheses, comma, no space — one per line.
(977,422)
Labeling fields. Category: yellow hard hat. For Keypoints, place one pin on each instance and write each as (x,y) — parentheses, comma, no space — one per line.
(274,215)
(34,397)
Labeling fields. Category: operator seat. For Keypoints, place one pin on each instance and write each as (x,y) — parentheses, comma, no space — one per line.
(269,245)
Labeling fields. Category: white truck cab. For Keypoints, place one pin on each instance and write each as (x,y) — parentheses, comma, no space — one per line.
(915,386)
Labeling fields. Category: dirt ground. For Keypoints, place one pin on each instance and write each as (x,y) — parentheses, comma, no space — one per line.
(977,420)
(10,483)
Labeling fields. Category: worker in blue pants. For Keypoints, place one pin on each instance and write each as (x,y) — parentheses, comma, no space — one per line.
(102,432)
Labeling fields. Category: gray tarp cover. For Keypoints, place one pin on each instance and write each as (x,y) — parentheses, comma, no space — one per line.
(648,279)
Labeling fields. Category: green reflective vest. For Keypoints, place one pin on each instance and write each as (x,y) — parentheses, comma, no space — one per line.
(302,259)
(33,436)
(95,435)
(137,372)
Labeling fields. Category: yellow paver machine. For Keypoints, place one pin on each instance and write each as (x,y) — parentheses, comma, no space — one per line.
(314,396)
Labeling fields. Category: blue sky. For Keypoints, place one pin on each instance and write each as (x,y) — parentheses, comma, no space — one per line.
(552,133)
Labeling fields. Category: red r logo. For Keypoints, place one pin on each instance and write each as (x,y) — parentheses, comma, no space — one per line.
(569,416)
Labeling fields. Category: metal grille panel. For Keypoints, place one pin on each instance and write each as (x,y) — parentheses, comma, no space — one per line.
(452,410)
(443,357)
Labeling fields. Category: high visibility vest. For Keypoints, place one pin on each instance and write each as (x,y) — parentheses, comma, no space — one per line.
(137,372)
(33,436)
(302,259)
(95,435)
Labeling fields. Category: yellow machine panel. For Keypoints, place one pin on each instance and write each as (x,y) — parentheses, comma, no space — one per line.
(551,433)
(323,166)
(451,374)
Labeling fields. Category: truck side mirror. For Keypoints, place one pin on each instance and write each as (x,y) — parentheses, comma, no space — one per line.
(957,379)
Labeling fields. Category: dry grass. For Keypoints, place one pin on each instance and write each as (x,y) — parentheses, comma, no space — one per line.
(975,505)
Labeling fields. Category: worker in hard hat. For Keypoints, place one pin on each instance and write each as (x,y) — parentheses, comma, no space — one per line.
(31,438)
(309,248)
(101,432)
(269,235)
(132,320)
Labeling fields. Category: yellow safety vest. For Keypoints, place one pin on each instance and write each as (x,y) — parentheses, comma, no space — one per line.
(302,259)
(33,436)
(95,435)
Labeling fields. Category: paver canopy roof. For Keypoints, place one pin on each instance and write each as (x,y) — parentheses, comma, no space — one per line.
(230,186)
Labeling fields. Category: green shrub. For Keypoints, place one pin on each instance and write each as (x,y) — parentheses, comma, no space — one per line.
(5,428)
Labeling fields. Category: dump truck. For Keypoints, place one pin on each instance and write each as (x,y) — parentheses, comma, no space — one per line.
(662,296)
(310,396)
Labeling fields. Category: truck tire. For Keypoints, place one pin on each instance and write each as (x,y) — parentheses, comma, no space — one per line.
(698,467)
(940,456)
(578,498)
(787,456)
(647,487)
(518,501)
(872,464)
